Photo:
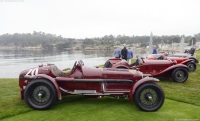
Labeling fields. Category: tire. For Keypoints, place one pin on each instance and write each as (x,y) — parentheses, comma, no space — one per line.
(40,94)
(191,66)
(149,97)
(180,75)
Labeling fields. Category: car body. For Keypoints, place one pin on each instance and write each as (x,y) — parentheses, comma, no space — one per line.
(190,63)
(184,55)
(156,68)
(43,85)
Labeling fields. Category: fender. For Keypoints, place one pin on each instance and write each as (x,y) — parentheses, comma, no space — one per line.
(195,60)
(53,81)
(171,68)
(114,60)
(186,61)
(123,64)
(138,83)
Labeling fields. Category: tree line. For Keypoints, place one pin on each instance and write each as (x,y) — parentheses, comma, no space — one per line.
(46,40)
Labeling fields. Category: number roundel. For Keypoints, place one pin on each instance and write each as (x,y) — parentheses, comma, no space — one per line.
(32,72)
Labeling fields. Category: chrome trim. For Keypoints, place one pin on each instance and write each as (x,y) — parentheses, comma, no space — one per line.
(105,94)
(64,90)
(103,86)
(117,91)
(85,91)
(102,80)
(147,75)
(24,87)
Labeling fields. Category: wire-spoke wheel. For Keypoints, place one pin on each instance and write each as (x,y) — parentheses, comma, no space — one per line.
(149,97)
(191,67)
(180,75)
(40,94)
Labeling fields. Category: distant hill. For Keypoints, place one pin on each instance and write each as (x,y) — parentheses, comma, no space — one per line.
(46,41)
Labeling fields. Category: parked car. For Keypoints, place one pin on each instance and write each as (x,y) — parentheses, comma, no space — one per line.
(156,68)
(190,63)
(43,85)
(184,55)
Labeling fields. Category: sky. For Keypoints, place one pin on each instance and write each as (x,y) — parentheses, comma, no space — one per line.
(97,18)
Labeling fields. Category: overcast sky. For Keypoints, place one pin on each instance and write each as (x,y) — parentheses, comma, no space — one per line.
(96,18)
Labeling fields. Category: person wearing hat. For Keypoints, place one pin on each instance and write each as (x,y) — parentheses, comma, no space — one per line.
(192,51)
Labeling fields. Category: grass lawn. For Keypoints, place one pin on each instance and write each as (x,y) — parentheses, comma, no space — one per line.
(79,108)
(189,91)
(182,103)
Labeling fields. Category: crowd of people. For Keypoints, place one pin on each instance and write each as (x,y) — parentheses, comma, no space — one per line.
(126,54)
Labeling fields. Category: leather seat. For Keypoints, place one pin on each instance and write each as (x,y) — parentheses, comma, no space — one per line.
(57,72)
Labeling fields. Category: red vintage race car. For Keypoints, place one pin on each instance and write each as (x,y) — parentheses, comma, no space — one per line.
(156,68)
(43,85)
(190,63)
(183,55)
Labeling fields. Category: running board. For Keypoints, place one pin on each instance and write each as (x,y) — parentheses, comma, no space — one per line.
(147,75)
(93,92)
(85,91)
(105,94)
(117,91)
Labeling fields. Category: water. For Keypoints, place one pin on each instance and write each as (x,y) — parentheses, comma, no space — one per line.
(12,62)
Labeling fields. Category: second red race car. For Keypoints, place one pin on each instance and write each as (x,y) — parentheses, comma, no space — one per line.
(156,68)
(190,63)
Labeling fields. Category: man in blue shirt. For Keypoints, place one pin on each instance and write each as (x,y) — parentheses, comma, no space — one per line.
(129,55)
(154,51)
(117,52)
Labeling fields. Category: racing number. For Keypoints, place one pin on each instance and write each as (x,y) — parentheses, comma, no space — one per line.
(32,72)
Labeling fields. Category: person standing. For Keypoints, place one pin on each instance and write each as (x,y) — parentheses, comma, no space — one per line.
(124,53)
(117,52)
(154,51)
(129,55)
(192,51)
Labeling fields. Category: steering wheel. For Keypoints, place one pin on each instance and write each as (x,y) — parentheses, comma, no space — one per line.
(74,67)
(80,62)
(161,58)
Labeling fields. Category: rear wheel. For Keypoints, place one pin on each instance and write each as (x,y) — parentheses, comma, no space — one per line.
(149,97)
(40,94)
(191,66)
(180,75)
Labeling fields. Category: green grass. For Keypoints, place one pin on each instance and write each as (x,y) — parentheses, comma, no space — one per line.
(182,102)
(109,109)
(188,92)
(10,103)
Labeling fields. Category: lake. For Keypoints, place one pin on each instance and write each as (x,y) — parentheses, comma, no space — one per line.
(12,62)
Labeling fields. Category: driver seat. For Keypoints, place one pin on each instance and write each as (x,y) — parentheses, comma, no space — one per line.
(57,72)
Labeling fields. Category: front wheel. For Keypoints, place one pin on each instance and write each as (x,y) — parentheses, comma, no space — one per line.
(180,75)
(191,67)
(40,94)
(149,97)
